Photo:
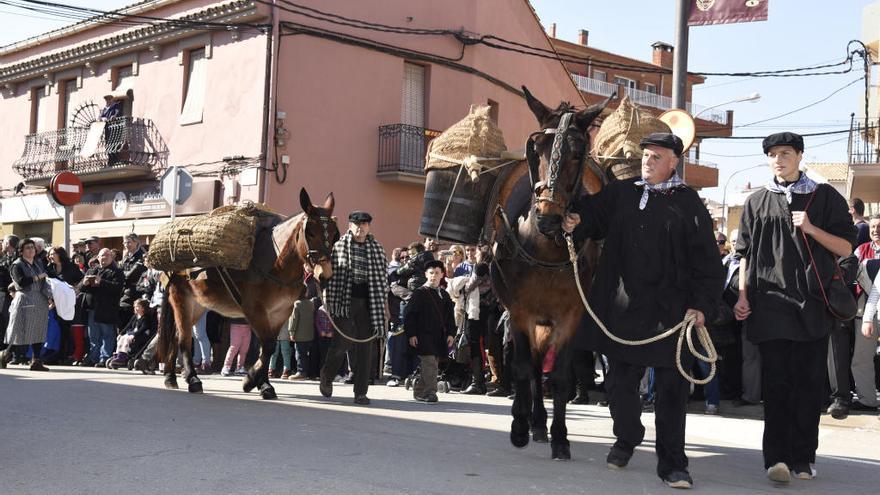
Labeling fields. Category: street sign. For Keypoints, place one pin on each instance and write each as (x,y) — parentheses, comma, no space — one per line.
(66,188)
(184,185)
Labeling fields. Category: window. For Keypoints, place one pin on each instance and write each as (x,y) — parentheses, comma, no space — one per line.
(194,84)
(66,102)
(622,81)
(651,88)
(600,76)
(38,109)
(123,78)
(413,104)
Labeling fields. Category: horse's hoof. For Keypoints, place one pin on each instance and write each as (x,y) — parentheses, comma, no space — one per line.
(561,452)
(171,383)
(248,383)
(268,393)
(195,388)
(539,435)
(519,436)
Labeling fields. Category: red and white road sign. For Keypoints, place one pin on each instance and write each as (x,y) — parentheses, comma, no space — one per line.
(66,188)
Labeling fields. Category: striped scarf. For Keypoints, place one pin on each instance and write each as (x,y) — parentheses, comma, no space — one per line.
(338,297)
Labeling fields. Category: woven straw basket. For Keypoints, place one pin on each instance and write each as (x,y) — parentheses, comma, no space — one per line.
(224,237)
(617,142)
(475,135)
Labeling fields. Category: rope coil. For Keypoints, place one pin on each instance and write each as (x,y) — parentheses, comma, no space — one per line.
(684,329)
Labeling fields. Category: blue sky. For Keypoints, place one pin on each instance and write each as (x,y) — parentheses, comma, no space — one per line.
(798,33)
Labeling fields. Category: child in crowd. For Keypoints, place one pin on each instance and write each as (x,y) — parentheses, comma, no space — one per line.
(239,342)
(135,334)
(429,322)
(301,328)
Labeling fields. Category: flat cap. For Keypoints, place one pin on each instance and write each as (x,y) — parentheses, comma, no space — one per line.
(664,140)
(359,217)
(133,237)
(93,238)
(783,139)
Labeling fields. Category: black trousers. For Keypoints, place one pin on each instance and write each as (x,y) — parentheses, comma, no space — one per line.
(793,375)
(357,326)
(670,408)
(841,343)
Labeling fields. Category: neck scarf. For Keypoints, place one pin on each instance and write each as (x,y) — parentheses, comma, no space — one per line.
(804,185)
(667,185)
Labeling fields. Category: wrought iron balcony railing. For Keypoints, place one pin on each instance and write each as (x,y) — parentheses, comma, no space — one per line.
(402,148)
(123,141)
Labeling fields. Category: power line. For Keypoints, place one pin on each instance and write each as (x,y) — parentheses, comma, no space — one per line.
(828,133)
(752,155)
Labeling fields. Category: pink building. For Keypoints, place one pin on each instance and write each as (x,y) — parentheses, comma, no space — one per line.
(257,100)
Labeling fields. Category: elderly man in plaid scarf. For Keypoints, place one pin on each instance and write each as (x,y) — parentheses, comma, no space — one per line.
(357,301)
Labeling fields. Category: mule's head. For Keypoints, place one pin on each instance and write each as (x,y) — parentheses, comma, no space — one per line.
(318,233)
(556,157)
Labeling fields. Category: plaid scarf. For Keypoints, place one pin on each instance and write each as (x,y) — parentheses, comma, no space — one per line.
(338,297)
(804,185)
(665,186)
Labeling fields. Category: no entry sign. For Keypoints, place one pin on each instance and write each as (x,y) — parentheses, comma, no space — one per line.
(66,189)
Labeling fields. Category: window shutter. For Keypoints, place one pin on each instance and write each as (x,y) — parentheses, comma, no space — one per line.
(194,102)
(413,108)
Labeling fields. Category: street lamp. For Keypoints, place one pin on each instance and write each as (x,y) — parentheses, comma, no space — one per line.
(724,196)
(753,97)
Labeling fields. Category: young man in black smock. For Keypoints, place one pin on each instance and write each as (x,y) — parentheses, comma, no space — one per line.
(781,301)
(660,262)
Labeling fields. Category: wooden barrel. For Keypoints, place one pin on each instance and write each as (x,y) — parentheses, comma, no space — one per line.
(464,203)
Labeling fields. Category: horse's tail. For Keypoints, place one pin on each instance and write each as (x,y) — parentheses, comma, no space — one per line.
(167,326)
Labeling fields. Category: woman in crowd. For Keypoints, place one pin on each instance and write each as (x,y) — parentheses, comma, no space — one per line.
(61,267)
(29,311)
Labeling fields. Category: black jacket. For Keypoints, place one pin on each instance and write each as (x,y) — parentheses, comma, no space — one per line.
(142,329)
(132,268)
(70,273)
(103,299)
(656,263)
(429,315)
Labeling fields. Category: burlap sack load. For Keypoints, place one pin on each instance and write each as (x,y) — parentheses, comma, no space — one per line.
(475,142)
(617,142)
(224,237)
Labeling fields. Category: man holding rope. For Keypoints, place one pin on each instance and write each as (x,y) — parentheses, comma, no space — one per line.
(659,265)
(356,300)
(782,227)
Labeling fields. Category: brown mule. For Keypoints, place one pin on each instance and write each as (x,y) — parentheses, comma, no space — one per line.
(266,295)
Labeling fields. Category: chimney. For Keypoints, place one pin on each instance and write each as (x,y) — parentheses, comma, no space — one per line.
(662,55)
(553,30)
(583,37)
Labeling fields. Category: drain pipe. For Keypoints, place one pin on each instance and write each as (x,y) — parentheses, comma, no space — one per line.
(269,102)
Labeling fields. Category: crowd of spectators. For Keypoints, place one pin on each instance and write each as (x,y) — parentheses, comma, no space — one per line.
(109,317)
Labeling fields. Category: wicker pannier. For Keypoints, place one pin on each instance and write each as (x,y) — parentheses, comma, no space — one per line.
(224,237)
(617,142)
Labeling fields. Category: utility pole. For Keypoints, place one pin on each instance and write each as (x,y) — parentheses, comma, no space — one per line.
(679,63)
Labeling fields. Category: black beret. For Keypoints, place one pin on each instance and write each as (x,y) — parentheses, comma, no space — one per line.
(359,217)
(783,139)
(664,140)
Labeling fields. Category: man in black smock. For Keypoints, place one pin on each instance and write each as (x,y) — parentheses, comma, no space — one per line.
(660,262)
(781,302)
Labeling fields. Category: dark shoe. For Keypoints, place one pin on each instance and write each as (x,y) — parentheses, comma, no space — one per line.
(349,379)
(802,470)
(326,387)
(431,398)
(5,357)
(86,362)
(617,458)
(580,399)
(499,392)
(37,365)
(101,364)
(858,406)
(474,389)
(362,400)
(839,409)
(743,403)
(678,479)
(647,406)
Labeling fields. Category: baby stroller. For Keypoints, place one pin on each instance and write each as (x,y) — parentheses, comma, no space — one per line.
(126,360)
(453,377)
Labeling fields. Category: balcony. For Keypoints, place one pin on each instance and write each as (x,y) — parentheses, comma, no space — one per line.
(122,149)
(645,98)
(700,173)
(402,150)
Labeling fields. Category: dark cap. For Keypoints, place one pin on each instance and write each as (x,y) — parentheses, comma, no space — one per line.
(664,140)
(359,217)
(783,139)
(132,236)
(93,238)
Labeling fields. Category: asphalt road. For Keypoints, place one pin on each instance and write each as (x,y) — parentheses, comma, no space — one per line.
(74,431)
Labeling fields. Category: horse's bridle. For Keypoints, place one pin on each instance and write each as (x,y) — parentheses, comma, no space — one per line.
(554,165)
(314,256)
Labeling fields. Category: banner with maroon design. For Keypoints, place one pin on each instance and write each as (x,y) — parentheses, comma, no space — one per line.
(705,12)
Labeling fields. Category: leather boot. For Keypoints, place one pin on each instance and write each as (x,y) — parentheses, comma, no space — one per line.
(477,386)
(37,365)
(581,395)
(5,357)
